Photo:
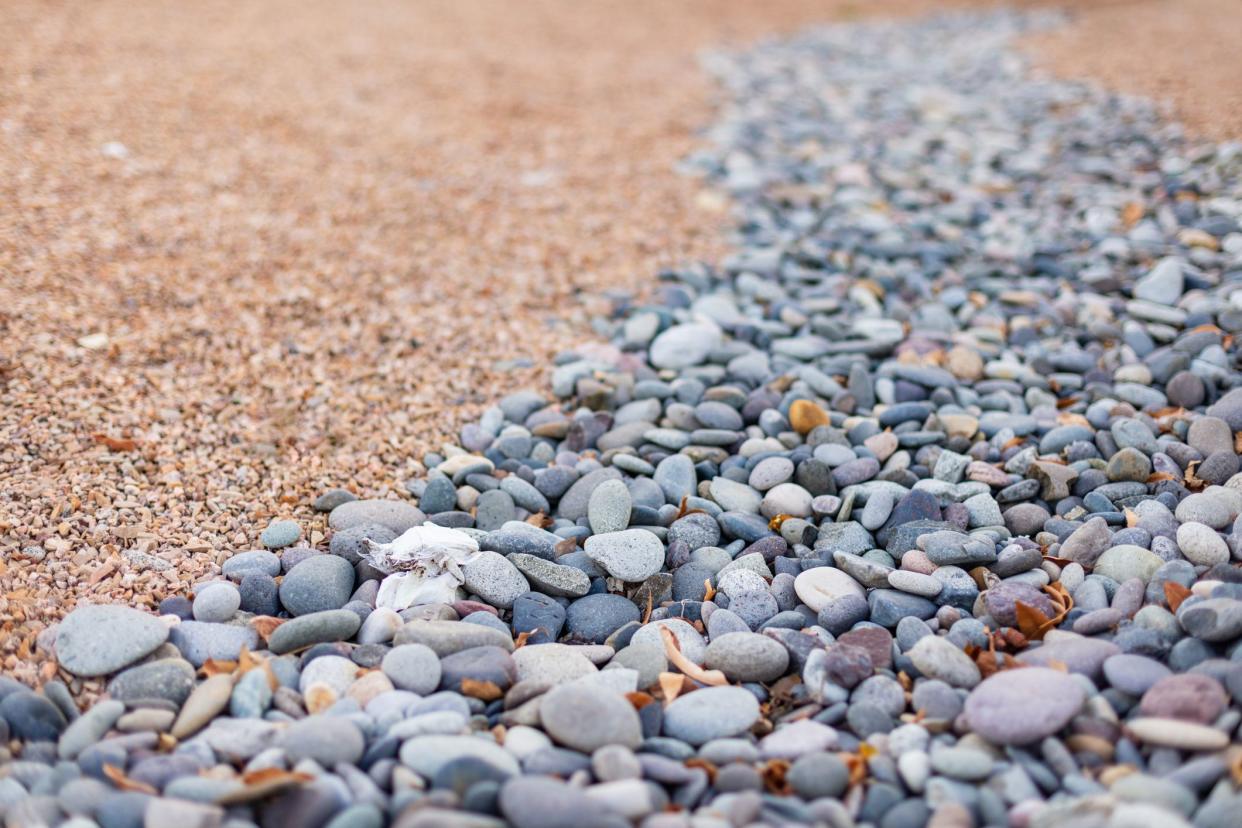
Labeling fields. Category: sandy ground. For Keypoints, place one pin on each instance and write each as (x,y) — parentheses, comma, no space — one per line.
(1185,53)
(251,251)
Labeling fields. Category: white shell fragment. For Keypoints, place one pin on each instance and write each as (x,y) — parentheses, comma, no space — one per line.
(423,566)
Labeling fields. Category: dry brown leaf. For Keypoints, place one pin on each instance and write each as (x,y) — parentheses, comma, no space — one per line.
(485,690)
(857,766)
(539,519)
(246,661)
(118,778)
(709,590)
(521,640)
(211,667)
(268,774)
(1192,480)
(265,625)
(684,509)
(671,685)
(116,443)
(673,652)
(263,783)
(707,766)
(773,775)
(1174,594)
(1031,622)
(639,699)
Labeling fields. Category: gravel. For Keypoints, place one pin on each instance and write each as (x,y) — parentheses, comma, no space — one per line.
(906,469)
(98,640)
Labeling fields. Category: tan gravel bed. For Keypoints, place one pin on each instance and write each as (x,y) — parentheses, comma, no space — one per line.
(1186,53)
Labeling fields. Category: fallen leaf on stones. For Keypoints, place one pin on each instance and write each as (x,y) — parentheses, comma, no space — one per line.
(265,625)
(673,652)
(118,778)
(639,699)
(775,523)
(671,685)
(263,783)
(484,690)
(1174,594)
(211,667)
(1031,622)
(773,775)
(539,519)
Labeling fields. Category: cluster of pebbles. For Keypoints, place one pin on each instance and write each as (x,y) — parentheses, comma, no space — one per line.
(923,508)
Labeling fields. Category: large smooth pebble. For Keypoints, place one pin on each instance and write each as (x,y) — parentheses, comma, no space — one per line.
(1020,706)
(96,640)
(711,713)
(819,587)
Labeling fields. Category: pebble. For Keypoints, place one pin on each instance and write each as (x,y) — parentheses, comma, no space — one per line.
(426,755)
(608,509)
(314,628)
(630,555)
(97,640)
(586,719)
(167,679)
(413,667)
(1047,698)
(394,515)
(216,602)
(280,533)
(327,740)
(937,658)
(711,713)
(1201,545)
(321,582)
(745,656)
(819,587)
(494,579)
(925,386)
(199,642)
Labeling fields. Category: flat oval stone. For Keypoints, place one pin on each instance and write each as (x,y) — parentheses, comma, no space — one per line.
(1177,733)
(746,656)
(99,640)
(425,755)
(395,515)
(313,628)
(171,679)
(631,555)
(1018,707)
(1191,696)
(585,719)
(819,587)
(711,713)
